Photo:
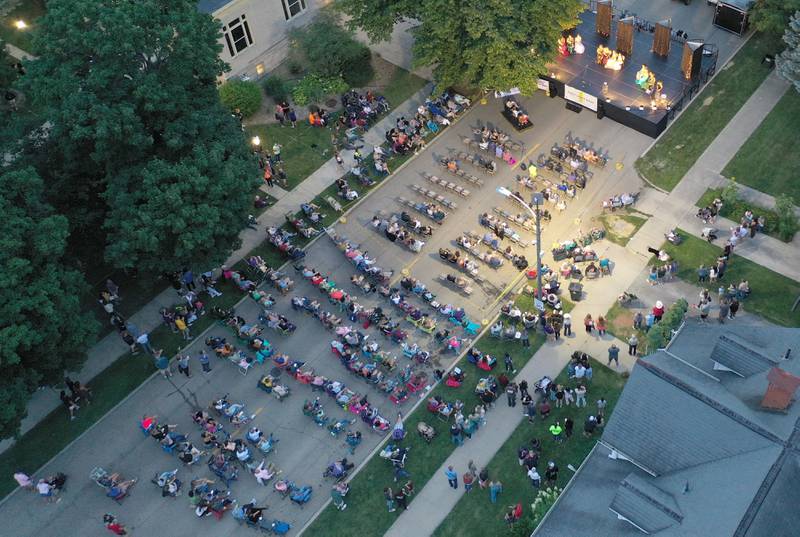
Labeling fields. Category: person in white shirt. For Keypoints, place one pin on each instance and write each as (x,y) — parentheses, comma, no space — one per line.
(536,479)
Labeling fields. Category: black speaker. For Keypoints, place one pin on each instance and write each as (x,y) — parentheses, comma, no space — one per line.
(731,17)
(601,111)
(574,107)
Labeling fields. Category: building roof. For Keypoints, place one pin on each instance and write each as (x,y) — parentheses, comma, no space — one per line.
(653,414)
(645,505)
(742,359)
(689,450)
(210,6)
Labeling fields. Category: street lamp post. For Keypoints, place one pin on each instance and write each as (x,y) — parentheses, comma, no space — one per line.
(537,200)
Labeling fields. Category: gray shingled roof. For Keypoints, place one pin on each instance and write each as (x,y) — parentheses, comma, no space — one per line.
(645,505)
(739,357)
(210,6)
(664,428)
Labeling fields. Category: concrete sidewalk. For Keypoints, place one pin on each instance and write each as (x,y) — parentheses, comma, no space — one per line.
(111,347)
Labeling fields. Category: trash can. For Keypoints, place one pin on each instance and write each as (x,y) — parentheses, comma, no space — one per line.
(575,291)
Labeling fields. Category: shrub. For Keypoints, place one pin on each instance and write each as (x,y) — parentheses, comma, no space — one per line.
(660,334)
(333,51)
(295,66)
(313,88)
(786,218)
(276,87)
(730,194)
(244,95)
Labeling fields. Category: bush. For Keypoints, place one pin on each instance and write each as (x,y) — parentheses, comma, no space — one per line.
(246,96)
(295,66)
(333,51)
(786,218)
(730,194)
(661,333)
(277,88)
(313,88)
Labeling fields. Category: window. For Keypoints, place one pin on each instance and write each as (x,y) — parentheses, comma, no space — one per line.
(237,35)
(292,7)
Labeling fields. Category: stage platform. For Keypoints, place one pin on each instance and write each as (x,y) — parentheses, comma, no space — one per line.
(579,78)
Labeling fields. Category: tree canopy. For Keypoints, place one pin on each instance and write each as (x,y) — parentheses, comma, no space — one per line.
(139,154)
(788,61)
(492,44)
(772,16)
(43,332)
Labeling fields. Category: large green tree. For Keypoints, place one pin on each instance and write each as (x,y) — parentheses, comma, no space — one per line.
(139,153)
(43,331)
(772,16)
(491,44)
(789,60)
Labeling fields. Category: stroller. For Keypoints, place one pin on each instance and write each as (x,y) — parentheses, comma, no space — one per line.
(427,432)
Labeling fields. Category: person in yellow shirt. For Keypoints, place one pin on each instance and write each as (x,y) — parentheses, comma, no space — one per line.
(180,324)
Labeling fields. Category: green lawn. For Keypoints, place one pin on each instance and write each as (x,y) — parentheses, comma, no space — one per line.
(619,235)
(772,295)
(769,161)
(402,85)
(683,143)
(619,323)
(366,513)
(27,11)
(304,148)
(736,211)
(474,514)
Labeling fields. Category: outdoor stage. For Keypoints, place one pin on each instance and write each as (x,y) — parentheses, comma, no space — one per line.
(579,79)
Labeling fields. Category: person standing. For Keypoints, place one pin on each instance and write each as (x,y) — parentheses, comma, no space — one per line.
(638,320)
(525,338)
(452,477)
(511,393)
(187,277)
(601,406)
(551,473)
(601,326)
(536,479)
(162,363)
(523,388)
(183,328)
(633,342)
(455,434)
(613,355)
(724,309)
(733,308)
(400,499)
(276,151)
(183,365)
(567,324)
(144,341)
(580,396)
(69,404)
(705,308)
(389,496)
(569,425)
(279,117)
(509,363)
(588,323)
(555,431)
(129,341)
(531,411)
(495,488)
(204,362)
(293,117)
(468,479)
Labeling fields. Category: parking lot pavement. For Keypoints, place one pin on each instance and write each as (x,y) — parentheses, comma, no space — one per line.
(305,449)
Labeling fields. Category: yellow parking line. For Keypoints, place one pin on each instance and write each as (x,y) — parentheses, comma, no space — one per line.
(506,290)
(525,156)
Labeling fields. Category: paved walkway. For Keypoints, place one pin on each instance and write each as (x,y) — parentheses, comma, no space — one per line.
(111,347)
